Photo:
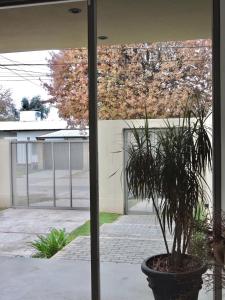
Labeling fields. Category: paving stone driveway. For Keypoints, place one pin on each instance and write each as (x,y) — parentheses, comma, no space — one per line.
(19,227)
(130,239)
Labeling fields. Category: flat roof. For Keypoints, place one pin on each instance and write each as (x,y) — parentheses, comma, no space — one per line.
(69,133)
(32,126)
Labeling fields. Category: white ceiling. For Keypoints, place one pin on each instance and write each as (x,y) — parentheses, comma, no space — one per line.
(123,21)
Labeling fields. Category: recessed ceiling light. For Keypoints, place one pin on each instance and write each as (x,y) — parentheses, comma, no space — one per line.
(102,37)
(75,10)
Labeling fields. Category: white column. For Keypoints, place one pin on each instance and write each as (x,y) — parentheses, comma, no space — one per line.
(5,178)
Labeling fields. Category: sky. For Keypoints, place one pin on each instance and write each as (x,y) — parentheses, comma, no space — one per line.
(24,81)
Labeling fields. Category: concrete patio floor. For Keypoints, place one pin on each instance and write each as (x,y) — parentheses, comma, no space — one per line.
(19,227)
(67,276)
(35,279)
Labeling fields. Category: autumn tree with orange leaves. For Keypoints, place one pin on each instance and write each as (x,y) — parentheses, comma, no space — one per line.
(156,77)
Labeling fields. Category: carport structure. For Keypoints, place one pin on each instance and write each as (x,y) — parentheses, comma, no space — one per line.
(27,25)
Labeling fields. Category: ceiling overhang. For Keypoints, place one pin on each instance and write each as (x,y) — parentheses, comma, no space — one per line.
(37,26)
(5,4)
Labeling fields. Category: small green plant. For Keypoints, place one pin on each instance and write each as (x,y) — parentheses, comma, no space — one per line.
(50,244)
(199,245)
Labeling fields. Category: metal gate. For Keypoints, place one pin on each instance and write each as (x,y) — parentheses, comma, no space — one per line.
(50,174)
(133,205)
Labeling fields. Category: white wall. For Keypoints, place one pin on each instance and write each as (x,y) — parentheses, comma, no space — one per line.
(5,180)
(30,116)
(111,159)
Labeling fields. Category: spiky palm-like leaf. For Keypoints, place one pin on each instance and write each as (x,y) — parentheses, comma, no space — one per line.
(50,244)
(171,169)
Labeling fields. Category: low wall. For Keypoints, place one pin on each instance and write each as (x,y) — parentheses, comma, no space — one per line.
(111,162)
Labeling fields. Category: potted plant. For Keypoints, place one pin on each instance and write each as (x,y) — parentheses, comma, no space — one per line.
(169,170)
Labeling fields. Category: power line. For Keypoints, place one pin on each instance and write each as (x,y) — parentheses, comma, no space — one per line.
(17,63)
(106,61)
(20,70)
(30,76)
(14,61)
(14,80)
(27,76)
(145,47)
(11,60)
(25,71)
(20,76)
(38,75)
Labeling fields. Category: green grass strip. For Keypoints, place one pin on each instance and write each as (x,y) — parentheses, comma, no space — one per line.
(84,230)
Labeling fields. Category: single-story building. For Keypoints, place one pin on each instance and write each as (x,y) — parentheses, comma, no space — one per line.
(28,128)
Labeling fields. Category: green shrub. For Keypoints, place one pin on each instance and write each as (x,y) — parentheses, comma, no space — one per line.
(50,244)
(199,245)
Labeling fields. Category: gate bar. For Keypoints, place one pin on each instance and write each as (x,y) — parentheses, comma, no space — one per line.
(53,174)
(11,173)
(93,148)
(70,174)
(27,175)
